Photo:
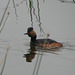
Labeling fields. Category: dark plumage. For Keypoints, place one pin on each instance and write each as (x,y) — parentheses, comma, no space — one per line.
(40,42)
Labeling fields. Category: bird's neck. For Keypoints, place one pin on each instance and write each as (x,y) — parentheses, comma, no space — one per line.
(33,40)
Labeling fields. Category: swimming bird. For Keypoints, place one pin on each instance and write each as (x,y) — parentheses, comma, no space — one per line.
(47,43)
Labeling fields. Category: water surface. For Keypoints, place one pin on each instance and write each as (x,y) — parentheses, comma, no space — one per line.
(58,19)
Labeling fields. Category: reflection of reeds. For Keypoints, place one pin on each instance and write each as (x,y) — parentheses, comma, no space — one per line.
(30,6)
(2,26)
(32,13)
(15,8)
(38,61)
(26,3)
(4,13)
(74,1)
(4,59)
(39,16)
(64,1)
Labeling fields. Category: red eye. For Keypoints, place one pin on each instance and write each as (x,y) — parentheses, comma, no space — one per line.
(29,32)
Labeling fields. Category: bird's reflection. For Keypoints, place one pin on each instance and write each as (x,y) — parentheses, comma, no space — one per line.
(31,55)
(32,52)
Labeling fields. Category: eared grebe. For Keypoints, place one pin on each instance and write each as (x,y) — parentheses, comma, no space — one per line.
(48,43)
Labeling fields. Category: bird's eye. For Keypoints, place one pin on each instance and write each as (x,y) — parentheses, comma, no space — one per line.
(29,32)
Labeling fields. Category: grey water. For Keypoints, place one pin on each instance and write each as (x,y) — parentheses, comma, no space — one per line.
(58,19)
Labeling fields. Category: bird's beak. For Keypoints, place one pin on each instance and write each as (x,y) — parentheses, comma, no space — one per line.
(25,33)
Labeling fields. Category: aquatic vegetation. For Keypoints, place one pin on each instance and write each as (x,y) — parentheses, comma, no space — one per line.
(4,59)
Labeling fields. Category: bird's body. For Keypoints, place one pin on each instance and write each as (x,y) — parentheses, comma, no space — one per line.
(48,43)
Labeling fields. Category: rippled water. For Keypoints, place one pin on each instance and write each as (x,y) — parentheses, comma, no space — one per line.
(59,22)
(53,62)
